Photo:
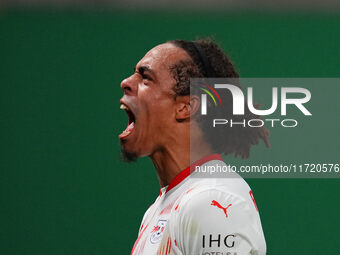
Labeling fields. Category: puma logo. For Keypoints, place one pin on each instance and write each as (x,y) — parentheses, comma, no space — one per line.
(215,203)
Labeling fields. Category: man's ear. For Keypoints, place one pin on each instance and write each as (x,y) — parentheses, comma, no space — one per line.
(186,106)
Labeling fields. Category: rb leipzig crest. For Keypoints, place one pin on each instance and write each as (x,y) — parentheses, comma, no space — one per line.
(157,232)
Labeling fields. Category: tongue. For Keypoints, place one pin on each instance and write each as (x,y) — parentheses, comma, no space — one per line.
(127,131)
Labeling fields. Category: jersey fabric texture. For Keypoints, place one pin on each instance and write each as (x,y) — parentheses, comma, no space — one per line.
(202,216)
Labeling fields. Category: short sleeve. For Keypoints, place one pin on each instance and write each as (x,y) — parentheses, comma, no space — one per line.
(215,222)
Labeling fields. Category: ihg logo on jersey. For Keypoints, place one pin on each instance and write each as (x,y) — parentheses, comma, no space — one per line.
(224,243)
(290,96)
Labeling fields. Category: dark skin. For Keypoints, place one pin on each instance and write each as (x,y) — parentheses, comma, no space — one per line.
(162,120)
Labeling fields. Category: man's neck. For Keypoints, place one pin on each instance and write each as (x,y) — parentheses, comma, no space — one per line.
(170,161)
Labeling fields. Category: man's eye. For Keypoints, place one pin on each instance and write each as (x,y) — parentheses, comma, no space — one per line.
(146,77)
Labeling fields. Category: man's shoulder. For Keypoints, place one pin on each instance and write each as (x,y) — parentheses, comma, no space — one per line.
(201,191)
(215,208)
(235,186)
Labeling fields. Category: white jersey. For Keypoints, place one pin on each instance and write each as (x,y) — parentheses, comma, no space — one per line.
(202,216)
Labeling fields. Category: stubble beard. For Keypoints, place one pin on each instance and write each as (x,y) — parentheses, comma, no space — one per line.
(126,155)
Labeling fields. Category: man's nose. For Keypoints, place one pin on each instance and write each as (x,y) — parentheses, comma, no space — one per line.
(129,86)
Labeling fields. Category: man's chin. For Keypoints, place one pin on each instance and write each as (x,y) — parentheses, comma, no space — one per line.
(128,156)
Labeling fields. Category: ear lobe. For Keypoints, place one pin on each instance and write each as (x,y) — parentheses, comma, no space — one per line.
(186,107)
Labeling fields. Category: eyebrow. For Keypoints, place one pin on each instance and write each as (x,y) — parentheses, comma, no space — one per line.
(143,69)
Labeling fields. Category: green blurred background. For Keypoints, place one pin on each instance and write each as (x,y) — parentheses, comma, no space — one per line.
(63,188)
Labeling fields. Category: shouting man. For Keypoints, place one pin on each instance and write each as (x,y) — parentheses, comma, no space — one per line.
(198,216)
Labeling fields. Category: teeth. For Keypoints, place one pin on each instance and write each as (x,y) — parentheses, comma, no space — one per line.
(123,107)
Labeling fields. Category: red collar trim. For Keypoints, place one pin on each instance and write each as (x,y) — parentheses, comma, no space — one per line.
(186,172)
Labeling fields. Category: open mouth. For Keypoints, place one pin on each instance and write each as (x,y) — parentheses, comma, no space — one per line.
(131,124)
